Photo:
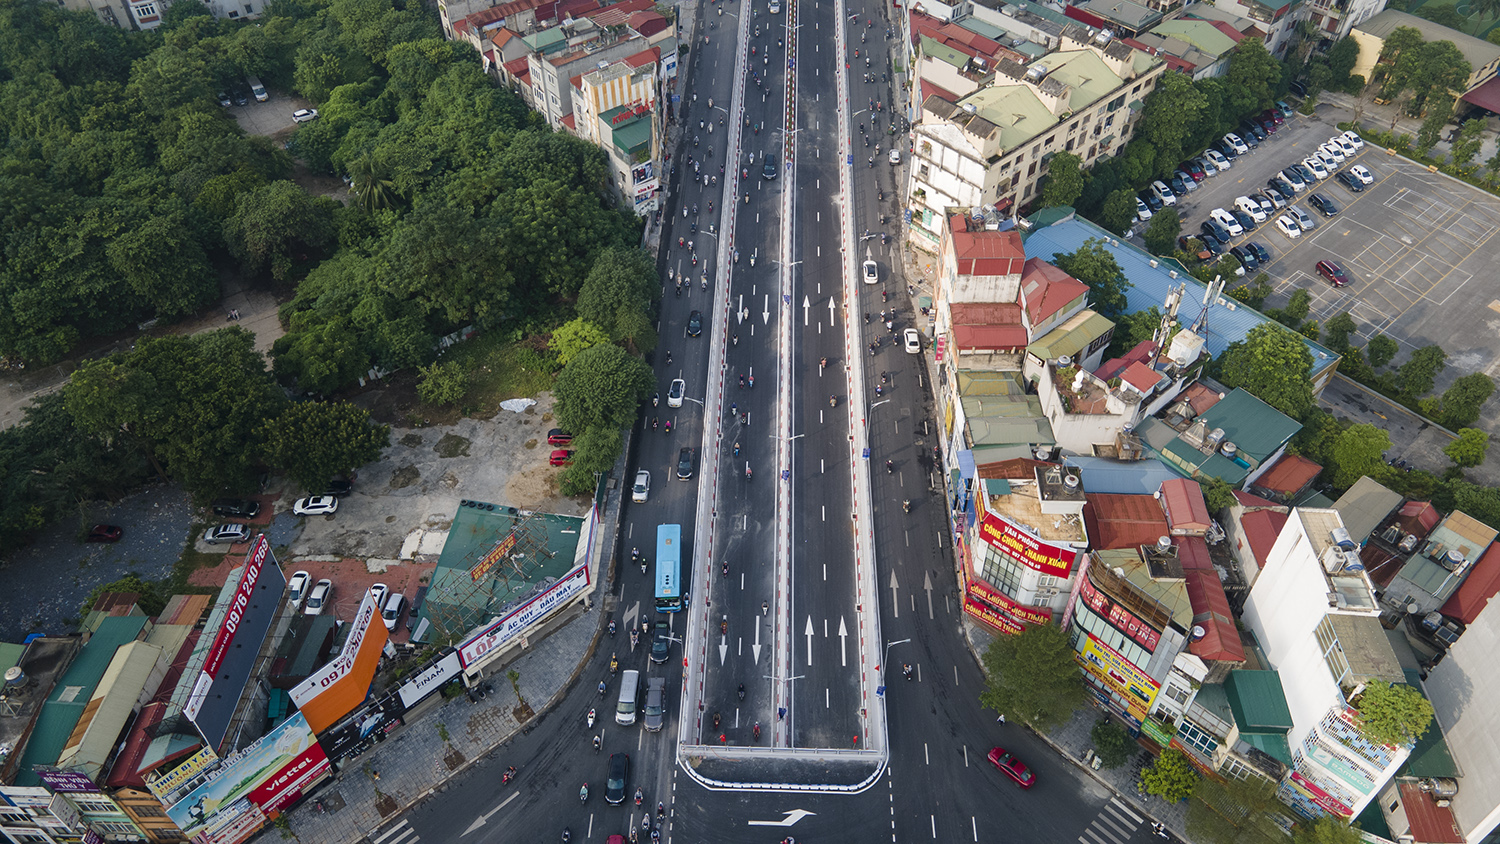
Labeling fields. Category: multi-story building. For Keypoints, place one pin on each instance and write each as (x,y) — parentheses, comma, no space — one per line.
(133,14)
(1335,19)
(1483,57)
(1313,612)
(615,108)
(991,146)
(1276,18)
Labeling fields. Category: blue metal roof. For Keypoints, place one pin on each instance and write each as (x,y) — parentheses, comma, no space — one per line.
(1150,286)
(1121,477)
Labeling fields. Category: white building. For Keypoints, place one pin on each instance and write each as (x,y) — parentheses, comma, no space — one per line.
(1314,613)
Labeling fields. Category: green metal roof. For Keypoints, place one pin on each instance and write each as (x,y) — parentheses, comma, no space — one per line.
(71,695)
(1010,432)
(1199,33)
(1001,406)
(1071,337)
(1256,427)
(935,49)
(1193,463)
(633,137)
(1086,73)
(10,655)
(1271,744)
(984,382)
(1258,701)
(1016,111)
(1431,757)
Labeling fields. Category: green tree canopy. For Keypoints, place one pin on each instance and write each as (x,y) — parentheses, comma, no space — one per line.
(1358,452)
(1162,232)
(1094,265)
(1328,829)
(1272,364)
(574,337)
(1171,776)
(1461,401)
(594,452)
(1235,811)
(1381,350)
(278,225)
(1032,677)
(150,600)
(602,386)
(1112,744)
(445,382)
(313,441)
(1420,370)
(1393,714)
(621,286)
(1118,213)
(1469,449)
(1252,75)
(1168,115)
(1064,180)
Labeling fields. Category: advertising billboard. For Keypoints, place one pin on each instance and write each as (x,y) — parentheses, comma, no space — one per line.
(255,562)
(990,606)
(247,612)
(506,627)
(164,785)
(334,690)
(1030,551)
(1119,675)
(67,782)
(429,681)
(266,775)
(1117,616)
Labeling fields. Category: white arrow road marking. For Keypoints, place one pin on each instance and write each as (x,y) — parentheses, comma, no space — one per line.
(723,647)
(809,635)
(832,312)
(895,604)
(740,312)
(765,314)
(806,309)
(791,817)
(630,617)
(927,585)
(484,818)
(755,648)
(843,642)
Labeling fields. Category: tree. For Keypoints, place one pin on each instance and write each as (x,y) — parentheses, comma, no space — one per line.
(1031,676)
(1328,829)
(575,337)
(369,181)
(312,441)
(442,383)
(1251,75)
(1170,776)
(1133,329)
(276,226)
(1163,231)
(1272,364)
(1358,452)
(1494,36)
(594,453)
(1468,450)
(1296,308)
(1217,494)
(1338,331)
(1253,293)
(1064,180)
(1462,401)
(1111,743)
(1395,715)
(1444,16)
(1168,115)
(1438,112)
(149,599)
(1420,370)
(1342,57)
(1467,144)
(1235,811)
(1094,265)
(620,287)
(602,386)
(1118,213)
(1381,350)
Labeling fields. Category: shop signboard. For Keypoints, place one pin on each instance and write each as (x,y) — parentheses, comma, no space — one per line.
(1119,675)
(267,773)
(509,626)
(1030,551)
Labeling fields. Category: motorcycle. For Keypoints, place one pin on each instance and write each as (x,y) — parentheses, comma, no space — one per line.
(906,671)
(752,254)
(752,382)
(602,688)
(639,796)
(723,628)
(655,423)
(833,401)
(755,731)
(742,382)
(635,638)
(716,720)
(510,774)
(592,716)
(655,399)
(598,741)
(736,449)
(822,364)
(583,793)
(905,505)
(612,621)
(726,569)
(669,430)
(742,691)
(889,467)
(614,666)
(747,473)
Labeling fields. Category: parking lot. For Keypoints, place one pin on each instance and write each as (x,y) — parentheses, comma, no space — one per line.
(1417,246)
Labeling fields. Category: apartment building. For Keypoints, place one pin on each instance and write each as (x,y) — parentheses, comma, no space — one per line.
(614,107)
(990,147)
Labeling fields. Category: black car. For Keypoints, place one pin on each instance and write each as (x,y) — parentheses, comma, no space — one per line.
(1323,204)
(1281,187)
(1152,200)
(1226,149)
(695,323)
(684,464)
(1347,180)
(1215,230)
(1252,136)
(1246,256)
(1261,253)
(339,487)
(1179,188)
(240,97)
(661,643)
(619,777)
(768,166)
(236,508)
(1246,221)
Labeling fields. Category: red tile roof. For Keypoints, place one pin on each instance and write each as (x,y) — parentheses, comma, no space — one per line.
(569,122)
(1141,377)
(1182,500)
(994,338)
(1477,589)
(985,313)
(1289,475)
(1220,640)
(1261,528)
(123,774)
(986,252)
(647,23)
(1430,823)
(1253,502)
(1114,366)
(1046,290)
(1015,469)
(645,57)
(929,89)
(1123,521)
(1418,517)
(1200,397)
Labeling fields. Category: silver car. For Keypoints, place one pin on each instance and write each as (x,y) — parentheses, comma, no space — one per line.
(641,489)
(227,534)
(656,704)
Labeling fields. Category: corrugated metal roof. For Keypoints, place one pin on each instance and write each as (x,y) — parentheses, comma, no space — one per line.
(1258,702)
(1289,475)
(1366,648)
(1477,589)
(1123,521)
(1257,428)
(1261,529)
(1182,500)
(1150,285)
(1365,507)
(1121,477)
(1072,336)
(1430,823)
(109,709)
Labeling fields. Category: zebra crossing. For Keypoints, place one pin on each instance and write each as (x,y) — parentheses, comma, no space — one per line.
(401,833)
(1114,825)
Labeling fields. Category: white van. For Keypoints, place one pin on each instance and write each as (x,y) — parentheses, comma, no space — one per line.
(630,684)
(257,90)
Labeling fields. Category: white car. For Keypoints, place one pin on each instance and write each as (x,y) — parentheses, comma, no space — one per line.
(227,534)
(304,115)
(1237,143)
(1227,220)
(1251,207)
(320,597)
(775,7)
(674,392)
(1164,193)
(1288,226)
(390,613)
(1353,138)
(1332,152)
(1344,146)
(912,341)
(1142,212)
(297,588)
(1361,172)
(871,273)
(380,592)
(1315,164)
(894,156)
(1220,162)
(316,505)
(641,489)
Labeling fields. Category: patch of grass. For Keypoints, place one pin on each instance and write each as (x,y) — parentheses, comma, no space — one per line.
(191,560)
(502,369)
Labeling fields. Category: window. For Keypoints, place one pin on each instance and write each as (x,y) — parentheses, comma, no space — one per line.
(1195,738)
(1031,171)
(146,810)
(999,569)
(1178,694)
(145,10)
(1333,652)
(249,10)
(1069,147)
(1233,767)
(169,835)
(234,14)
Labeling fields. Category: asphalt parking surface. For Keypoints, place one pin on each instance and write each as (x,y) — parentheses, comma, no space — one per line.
(1418,247)
(272,117)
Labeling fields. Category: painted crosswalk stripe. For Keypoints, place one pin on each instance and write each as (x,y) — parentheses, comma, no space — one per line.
(1121,808)
(401,833)
(1101,839)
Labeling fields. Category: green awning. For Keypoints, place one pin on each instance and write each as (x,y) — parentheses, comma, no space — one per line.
(1071,337)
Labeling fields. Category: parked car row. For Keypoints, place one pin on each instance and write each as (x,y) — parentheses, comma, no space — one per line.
(313,598)
(1220,156)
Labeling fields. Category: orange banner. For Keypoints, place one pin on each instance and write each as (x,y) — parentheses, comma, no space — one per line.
(1031,552)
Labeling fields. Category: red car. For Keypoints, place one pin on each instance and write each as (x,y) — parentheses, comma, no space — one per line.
(1012,767)
(560,457)
(105,533)
(558,436)
(1333,273)
(1195,170)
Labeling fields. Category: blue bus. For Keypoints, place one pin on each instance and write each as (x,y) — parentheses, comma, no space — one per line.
(669,597)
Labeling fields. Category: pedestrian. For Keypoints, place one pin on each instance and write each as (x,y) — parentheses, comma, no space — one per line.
(1001,719)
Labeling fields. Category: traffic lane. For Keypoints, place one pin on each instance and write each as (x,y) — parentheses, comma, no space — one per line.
(761,818)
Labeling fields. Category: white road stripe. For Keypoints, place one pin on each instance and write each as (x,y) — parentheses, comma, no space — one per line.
(1125,810)
(1097,837)
(403,829)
